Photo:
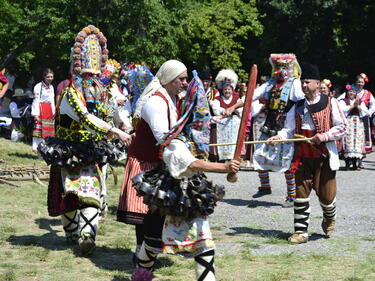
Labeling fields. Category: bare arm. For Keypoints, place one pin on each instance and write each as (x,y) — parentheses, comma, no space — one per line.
(232,166)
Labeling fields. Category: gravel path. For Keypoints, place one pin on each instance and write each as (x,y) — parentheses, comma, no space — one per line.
(264,225)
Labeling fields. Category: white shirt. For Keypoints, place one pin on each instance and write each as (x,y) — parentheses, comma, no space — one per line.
(338,130)
(44,94)
(14,110)
(155,113)
(178,158)
(345,108)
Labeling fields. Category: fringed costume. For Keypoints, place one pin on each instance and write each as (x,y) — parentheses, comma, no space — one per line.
(278,95)
(179,198)
(81,147)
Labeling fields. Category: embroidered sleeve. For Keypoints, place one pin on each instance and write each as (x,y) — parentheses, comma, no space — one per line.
(215,104)
(339,123)
(82,113)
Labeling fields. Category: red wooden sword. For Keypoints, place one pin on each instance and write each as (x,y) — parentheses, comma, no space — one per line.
(232,177)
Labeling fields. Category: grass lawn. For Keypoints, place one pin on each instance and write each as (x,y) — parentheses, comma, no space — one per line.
(32,244)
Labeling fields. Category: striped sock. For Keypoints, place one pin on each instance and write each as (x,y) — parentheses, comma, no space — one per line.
(329,211)
(301,215)
(290,184)
(264,179)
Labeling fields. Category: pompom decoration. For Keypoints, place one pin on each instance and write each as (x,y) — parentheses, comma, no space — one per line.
(141,274)
(348,87)
(79,45)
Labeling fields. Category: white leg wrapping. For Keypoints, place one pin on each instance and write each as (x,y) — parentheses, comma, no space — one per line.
(89,221)
(204,266)
(70,222)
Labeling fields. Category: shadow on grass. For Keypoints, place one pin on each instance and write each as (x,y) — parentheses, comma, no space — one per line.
(266,233)
(118,259)
(112,210)
(25,155)
(250,203)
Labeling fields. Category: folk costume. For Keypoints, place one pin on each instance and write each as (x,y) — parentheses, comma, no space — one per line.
(354,140)
(43,107)
(315,165)
(156,114)
(278,94)
(81,148)
(226,127)
(179,198)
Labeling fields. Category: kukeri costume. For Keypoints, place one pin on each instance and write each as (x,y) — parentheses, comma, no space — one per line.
(157,113)
(278,94)
(80,148)
(179,198)
(315,166)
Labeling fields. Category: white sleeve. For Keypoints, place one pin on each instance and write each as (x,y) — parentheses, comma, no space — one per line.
(290,125)
(215,104)
(371,106)
(339,123)
(344,107)
(296,92)
(341,97)
(364,110)
(155,113)
(35,105)
(256,108)
(260,91)
(14,111)
(178,158)
(65,108)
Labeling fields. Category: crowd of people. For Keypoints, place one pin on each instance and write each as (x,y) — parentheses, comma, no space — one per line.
(167,124)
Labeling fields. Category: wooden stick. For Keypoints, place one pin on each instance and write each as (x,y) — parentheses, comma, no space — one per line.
(232,177)
(262,141)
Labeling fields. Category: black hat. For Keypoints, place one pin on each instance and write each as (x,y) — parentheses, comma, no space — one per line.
(309,71)
(206,75)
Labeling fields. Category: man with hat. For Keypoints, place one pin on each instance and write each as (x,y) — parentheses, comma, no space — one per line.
(211,92)
(20,110)
(315,163)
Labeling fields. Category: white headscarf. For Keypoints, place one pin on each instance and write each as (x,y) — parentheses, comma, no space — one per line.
(166,73)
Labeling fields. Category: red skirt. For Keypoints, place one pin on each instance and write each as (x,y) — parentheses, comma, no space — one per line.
(46,126)
(131,209)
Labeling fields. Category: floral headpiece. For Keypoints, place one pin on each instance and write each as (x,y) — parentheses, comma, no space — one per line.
(90,51)
(365,77)
(327,82)
(349,87)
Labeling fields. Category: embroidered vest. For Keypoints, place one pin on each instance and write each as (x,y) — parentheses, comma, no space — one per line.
(235,98)
(366,97)
(320,114)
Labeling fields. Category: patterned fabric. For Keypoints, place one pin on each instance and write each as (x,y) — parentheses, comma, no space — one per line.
(354,140)
(191,237)
(275,158)
(130,208)
(85,183)
(139,77)
(264,178)
(227,131)
(195,117)
(291,184)
(45,127)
